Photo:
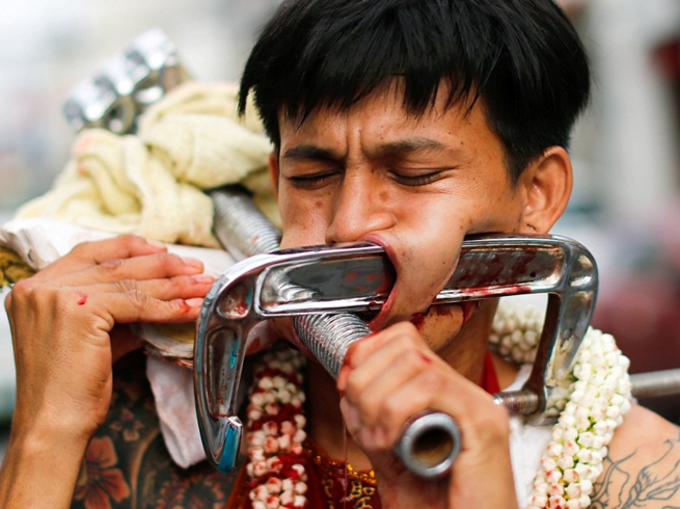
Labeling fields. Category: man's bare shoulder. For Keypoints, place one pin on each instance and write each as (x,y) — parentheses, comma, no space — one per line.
(642,470)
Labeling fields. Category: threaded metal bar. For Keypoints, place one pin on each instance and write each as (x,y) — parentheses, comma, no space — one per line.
(518,402)
(329,336)
(240,226)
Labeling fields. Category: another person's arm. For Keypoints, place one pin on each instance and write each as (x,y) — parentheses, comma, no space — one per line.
(62,321)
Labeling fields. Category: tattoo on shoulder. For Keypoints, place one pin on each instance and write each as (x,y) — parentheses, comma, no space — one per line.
(656,486)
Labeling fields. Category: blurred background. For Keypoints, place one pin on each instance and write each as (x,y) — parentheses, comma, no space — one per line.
(625,207)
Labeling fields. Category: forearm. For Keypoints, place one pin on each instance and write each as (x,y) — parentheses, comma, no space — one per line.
(40,471)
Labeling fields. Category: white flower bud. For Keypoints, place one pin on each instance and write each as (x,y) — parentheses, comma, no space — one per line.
(254,413)
(556,502)
(260,468)
(300,436)
(548,464)
(256,453)
(271,409)
(570,434)
(586,438)
(284,442)
(274,464)
(585,456)
(571,447)
(574,490)
(556,489)
(270,428)
(565,462)
(271,445)
(570,475)
(284,396)
(273,485)
(538,500)
(613,412)
(552,476)
(300,488)
(586,486)
(540,487)
(573,504)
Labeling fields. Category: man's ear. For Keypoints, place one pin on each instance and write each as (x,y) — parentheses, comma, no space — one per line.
(546,185)
(274,172)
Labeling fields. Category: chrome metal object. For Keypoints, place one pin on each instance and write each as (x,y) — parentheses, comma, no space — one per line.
(129,83)
(245,231)
(656,383)
(357,278)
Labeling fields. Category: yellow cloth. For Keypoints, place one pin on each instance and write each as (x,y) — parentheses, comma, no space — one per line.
(150,183)
(12,268)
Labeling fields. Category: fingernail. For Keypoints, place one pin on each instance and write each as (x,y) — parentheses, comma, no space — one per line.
(202,279)
(367,437)
(195,302)
(193,262)
(380,437)
(156,243)
(352,417)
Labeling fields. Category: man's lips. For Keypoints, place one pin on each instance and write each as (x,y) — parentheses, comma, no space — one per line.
(468,308)
(383,315)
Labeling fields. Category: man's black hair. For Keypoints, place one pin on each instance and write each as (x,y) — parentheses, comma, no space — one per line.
(521,57)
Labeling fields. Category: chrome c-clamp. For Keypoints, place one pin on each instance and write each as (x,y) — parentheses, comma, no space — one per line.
(322,285)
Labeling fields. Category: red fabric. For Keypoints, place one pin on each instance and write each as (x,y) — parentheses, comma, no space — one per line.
(489,377)
(333,486)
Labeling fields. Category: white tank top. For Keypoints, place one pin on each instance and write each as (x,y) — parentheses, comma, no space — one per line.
(527,443)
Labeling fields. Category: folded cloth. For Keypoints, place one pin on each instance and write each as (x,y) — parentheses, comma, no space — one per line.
(40,242)
(173,391)
(150,183)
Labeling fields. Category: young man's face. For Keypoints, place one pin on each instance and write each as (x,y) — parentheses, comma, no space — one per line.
(415,185)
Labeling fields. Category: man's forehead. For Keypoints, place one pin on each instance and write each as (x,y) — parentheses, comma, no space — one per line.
(383,125)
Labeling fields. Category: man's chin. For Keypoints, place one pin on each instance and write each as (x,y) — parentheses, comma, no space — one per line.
(443,322)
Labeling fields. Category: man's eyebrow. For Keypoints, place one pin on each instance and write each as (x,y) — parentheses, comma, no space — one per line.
(395,148)
(311,152)
(406,146)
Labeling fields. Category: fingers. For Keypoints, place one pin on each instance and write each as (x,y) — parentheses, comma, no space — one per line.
(160,265)
(393,376)
(124,246)
(135,306)
(93,253)
(178,287)
(361,350)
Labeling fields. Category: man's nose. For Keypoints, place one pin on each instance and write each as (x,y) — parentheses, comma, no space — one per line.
(359,210)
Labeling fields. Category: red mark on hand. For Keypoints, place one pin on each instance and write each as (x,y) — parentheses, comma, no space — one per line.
(83,298)
(425,358)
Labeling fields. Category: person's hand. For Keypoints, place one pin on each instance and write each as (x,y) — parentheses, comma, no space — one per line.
(391,377)
(62,321)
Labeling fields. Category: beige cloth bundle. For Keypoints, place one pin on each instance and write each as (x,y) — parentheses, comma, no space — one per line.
(150,183)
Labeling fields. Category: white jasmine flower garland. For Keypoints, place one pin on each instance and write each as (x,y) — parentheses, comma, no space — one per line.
(591,404)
